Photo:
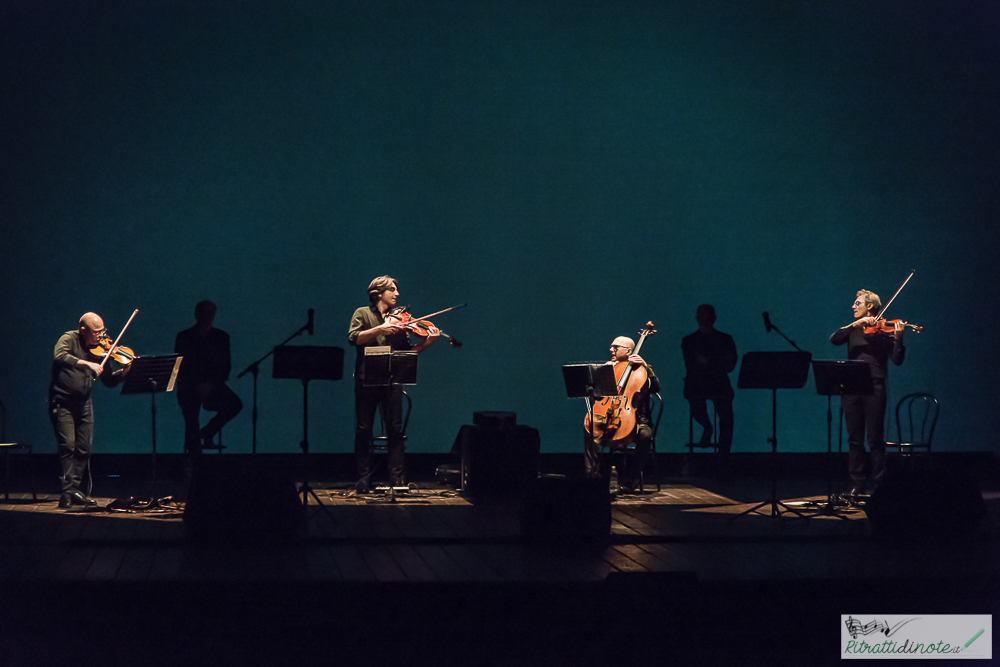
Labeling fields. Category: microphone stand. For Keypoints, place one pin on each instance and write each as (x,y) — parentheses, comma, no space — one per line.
(255,369)
(784,336)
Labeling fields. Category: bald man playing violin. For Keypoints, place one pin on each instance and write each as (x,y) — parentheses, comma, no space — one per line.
(369,328)
(70,408)
(621,350)
(866,413)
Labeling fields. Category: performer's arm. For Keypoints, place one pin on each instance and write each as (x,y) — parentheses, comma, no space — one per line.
(63,354)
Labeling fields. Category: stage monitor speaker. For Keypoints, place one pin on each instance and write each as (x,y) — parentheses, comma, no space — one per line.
(497,461)
(560,510)
(922,504)
(242,500)
(498,420)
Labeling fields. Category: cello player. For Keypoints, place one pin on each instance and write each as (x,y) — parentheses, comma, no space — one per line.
(621,350)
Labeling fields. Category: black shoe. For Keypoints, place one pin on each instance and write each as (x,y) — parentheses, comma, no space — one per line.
(65,502)
(77,498)
(857,491)
(208,443)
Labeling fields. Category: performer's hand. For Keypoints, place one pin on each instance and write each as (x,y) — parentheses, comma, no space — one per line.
(636,359)
(898,328)
(433,333)
(388,328)
(865,322)
(96,368)
(125,370)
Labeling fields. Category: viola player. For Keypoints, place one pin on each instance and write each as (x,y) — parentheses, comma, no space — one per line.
(865,414)
(70,408)
(621,350)
(369,328)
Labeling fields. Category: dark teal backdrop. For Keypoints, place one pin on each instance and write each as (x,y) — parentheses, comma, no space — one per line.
(569,169)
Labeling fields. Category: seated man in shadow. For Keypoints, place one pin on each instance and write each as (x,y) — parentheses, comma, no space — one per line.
(709,357)
(201,382)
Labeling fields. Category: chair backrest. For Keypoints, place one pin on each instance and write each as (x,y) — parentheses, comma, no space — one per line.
(656,411)
(920,419)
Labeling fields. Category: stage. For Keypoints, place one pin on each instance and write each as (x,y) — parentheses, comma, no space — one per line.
(434,576)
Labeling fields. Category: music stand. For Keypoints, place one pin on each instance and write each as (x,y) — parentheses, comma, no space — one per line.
(306,363)
(836,378)
(149,375)
(384,367)
(774,371)
(590,381)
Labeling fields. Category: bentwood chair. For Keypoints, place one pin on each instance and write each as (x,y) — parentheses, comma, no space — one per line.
(916,418)
(380,443)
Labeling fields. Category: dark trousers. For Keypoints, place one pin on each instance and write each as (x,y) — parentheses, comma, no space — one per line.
(635,459)
(389,401)
(221,400)
(865,414)
(74,428)
(723,410)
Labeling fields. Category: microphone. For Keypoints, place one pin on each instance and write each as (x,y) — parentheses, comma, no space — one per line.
(310,324)
(767,322)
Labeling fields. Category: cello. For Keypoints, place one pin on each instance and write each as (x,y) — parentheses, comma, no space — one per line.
(614,416)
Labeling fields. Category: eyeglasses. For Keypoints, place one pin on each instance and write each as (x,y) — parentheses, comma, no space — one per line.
(619,347)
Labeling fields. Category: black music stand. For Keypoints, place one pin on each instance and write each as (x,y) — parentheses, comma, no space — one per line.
(774,371)
(307,362)
(836,378)
(590,381)
(385,367)
(149,375)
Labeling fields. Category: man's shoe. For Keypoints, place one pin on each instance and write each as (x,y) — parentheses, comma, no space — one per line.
(77,498)
(65,502)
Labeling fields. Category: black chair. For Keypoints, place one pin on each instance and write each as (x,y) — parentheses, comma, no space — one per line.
(9,448)
(915,433)
(656,408)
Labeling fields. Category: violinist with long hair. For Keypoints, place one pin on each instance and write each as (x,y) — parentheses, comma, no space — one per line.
(866,413)
(74,367)
(369,328)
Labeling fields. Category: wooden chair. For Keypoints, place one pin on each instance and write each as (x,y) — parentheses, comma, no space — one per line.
(915,430)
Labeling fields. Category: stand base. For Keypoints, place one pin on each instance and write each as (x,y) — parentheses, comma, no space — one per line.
(777,508)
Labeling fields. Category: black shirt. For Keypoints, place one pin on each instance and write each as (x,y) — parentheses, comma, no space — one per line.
(369,317)
(711,378)
(206,358)
(71,383)
(876,350)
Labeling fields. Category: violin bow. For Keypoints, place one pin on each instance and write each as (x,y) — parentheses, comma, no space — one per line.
(115,344)
(881,315)
(427,317)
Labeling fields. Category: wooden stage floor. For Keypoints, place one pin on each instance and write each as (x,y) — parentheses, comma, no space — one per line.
(453,573)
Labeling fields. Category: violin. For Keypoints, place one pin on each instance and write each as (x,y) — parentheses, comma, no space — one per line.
(614,416)
(123,355)
(105,349)
(419,326)
(883,326)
